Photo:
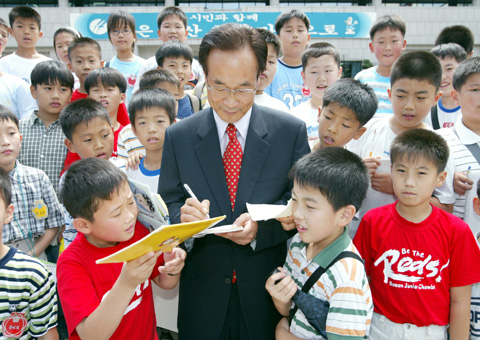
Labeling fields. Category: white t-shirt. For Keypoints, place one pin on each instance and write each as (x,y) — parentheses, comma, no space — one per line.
(268,101)
(15,94)
(309,115)
(145,176)
(20,67)
(446,117)
(151,64)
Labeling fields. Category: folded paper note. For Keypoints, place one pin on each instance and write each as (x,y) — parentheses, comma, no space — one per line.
(163,239)
(263,212)
(229,228)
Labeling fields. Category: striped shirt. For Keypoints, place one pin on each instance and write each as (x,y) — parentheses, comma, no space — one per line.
(344,285)
(462,157)
(128,143)
(26,286)
(380,85)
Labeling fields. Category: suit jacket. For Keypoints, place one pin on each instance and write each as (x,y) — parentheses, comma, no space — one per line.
(192,155)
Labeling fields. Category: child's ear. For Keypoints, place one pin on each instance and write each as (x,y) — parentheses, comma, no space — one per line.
(371,46)
(133,130)
(442,176)
(476,205)
(123,97)
(360,132)
(437,97)
(455,96)
(40,34)
(8,214)
(340,69)
(389,91)
(303,76)
(102,62)
(404,46)
(70,67)
(347,214)
(33,92)
(308,39)
(186,34)
(69,145)
(82,225)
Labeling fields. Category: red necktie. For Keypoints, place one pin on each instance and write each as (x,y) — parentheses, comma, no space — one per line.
(232,162)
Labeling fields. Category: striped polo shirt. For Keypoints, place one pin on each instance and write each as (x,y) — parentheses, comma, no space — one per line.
(344,285)
(380,85)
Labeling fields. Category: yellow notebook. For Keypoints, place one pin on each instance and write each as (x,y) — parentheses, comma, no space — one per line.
(164,239)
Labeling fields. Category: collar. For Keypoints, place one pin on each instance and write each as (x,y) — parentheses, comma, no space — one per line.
(18,168)
(33,119)
(241,125)
(466,136)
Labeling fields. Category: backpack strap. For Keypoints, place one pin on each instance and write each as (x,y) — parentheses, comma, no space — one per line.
(319,272)
(194,101)
(434,115)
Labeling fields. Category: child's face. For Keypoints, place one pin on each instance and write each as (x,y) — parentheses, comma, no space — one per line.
(172,28)
(469,99)
(92,139)
(294,37)
(109,96)
(10,141)
(338,125)
(320,73)
(266,77)
(388,45)
(449,65)
(317,223)
(84,60)
(180,67)
(414,182)
(3,38)
(173,89)
(122,38)
(26,32)
(51,98)
(62,41)
(411,102)
(150,126)
(114,221)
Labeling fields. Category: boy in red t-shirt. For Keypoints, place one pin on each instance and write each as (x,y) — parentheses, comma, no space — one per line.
(108,301)
(421,260)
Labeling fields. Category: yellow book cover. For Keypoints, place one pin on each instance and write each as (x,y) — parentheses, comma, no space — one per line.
(164,239)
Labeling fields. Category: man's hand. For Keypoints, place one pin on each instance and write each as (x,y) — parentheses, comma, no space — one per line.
(194,210)
(382,182)
(248,233)
(288,223)
(174,261)
(461,183)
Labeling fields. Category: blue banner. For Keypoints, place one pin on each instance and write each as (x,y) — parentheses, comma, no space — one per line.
(322,25)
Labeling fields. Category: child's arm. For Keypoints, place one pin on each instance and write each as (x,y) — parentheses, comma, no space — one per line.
(51,334)
(104,320)
(382,182)
(460,312)
(170,272)
(283,331)
(282,292)
(445,207)
(44,240)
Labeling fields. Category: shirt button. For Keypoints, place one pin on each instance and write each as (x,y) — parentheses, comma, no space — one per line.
(42,156)
(44,136)
(228,281)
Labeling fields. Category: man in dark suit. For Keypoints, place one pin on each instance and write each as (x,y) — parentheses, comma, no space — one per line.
(222,289)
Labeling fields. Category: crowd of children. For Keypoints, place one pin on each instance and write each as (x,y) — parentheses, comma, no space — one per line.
(394,167)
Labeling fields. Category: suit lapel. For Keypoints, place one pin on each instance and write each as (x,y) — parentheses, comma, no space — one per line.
(255,154)
(208,153)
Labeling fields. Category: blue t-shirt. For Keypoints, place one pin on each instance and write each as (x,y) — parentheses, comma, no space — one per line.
(184,108)
(129,70)
(287,85)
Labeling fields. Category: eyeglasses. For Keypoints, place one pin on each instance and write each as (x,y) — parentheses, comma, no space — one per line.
(117,32)
(223,92)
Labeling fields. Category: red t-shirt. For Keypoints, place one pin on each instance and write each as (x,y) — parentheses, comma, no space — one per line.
(413,265)
(82,284)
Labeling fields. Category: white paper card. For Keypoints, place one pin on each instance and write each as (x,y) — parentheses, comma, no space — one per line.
(263,212)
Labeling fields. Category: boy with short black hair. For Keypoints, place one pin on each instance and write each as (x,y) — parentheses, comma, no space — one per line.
(128,142)
(177,57)
(38,216)
(321,68)
(420,259)
(42,143)
(347,106)
(266,77)
(292,29)
(25,25)
(447,111)
(387,43)
(329,186)
(457,34)
(3,35)
(108,301)
(172,25)
(28,300)
(415,80)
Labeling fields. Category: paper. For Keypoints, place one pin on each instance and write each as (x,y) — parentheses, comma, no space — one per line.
(164,239)
(263,212)
(471,217)
(221,230)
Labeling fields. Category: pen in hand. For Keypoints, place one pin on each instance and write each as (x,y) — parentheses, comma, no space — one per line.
(192,195)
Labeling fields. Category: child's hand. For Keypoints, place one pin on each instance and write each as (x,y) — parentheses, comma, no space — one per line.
(174,262)
(288,223)
(461,183)
(133,161)
(139,270)
(382,182)
(372,165)
(283,291)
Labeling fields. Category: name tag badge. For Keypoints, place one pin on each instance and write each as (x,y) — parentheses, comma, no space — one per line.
(40,210)
(15,324)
